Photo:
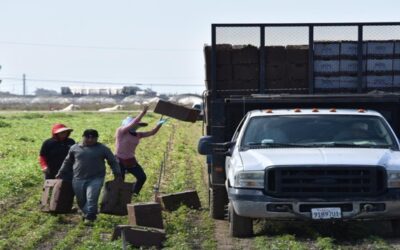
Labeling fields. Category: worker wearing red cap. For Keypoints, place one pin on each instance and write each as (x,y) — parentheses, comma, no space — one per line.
(55,149)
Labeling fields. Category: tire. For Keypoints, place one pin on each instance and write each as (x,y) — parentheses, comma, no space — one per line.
(239,226)
(396,227)
(218,202)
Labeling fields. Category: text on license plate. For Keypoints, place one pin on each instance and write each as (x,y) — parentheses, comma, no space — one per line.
(326,213)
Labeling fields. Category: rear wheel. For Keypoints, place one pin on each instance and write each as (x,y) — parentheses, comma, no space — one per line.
(239,226)
(218,202)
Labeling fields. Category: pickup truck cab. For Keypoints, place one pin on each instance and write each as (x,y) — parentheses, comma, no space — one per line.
(312,164)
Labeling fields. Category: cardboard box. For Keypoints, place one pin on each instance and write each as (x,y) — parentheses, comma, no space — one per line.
(380,48)
(349,66)
(57,196)
(322,82)
(348,82)
(379,65)
(326,66)
(327,49)
(146,214)
(176,111)
(379,81)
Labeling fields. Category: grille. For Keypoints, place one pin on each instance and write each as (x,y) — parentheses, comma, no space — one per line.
(325,181)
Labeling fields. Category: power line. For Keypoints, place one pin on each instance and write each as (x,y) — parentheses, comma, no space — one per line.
(104,83)
(101,47)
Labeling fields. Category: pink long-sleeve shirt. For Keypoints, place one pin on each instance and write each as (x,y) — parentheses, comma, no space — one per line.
(125,143)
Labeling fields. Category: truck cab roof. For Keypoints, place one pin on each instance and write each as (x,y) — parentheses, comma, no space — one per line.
(315,111)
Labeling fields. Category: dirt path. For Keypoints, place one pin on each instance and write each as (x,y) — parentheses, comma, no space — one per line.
(225,242)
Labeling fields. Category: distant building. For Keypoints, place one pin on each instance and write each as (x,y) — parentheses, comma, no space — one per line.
(79,91)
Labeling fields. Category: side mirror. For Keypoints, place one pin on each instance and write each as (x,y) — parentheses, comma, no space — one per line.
(205,145)
(224,148)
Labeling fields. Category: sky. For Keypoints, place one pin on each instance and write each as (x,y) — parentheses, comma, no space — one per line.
(149,44)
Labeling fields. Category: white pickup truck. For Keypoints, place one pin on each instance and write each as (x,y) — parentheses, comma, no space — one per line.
(312,164)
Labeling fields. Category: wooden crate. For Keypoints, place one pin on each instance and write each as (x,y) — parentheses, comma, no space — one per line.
(57,196)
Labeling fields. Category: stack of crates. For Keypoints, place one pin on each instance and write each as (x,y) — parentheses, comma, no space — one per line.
(336,65)
(327,65)
(382,64)
(237,68)
(286,68)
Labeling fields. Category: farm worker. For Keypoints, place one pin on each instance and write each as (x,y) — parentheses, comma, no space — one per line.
(86,161)
(127,139)
(54,150)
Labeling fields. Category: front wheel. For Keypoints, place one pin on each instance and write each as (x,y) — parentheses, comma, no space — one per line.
(239,226)
(218,201)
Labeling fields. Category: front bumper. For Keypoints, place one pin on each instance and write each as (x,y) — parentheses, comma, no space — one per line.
(255,204)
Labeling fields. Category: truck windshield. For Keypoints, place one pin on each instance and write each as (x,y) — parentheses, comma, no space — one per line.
(318,131)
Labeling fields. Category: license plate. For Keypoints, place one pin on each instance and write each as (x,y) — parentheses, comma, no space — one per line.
(326,213)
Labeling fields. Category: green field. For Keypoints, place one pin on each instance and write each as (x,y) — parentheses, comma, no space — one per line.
(23,226)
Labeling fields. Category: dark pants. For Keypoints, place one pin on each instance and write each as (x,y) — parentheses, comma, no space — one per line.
(138,172)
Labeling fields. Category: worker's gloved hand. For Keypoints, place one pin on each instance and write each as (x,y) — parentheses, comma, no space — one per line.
(162,121)
(45,170)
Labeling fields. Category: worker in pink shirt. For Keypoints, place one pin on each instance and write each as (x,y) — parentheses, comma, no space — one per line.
(127,139)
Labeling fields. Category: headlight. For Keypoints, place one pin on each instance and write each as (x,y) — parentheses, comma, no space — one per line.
(249,179)
(393,179)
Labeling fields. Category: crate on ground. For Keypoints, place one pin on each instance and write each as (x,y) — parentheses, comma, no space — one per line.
(328,50)
(379,81)
(116,195)
(139,236)
(247,54)
(57,196)
(323,82)
(173,201)
(380,48)
(177,111)
(326,66)
(275,54)
(146,214)
(297,54)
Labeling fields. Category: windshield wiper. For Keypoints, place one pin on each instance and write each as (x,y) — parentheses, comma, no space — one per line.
(351,145)
(274,144)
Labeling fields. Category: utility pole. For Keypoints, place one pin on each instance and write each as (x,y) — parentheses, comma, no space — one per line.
(23,84)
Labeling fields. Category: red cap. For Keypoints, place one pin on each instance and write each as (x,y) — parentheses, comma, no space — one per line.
(58,128)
